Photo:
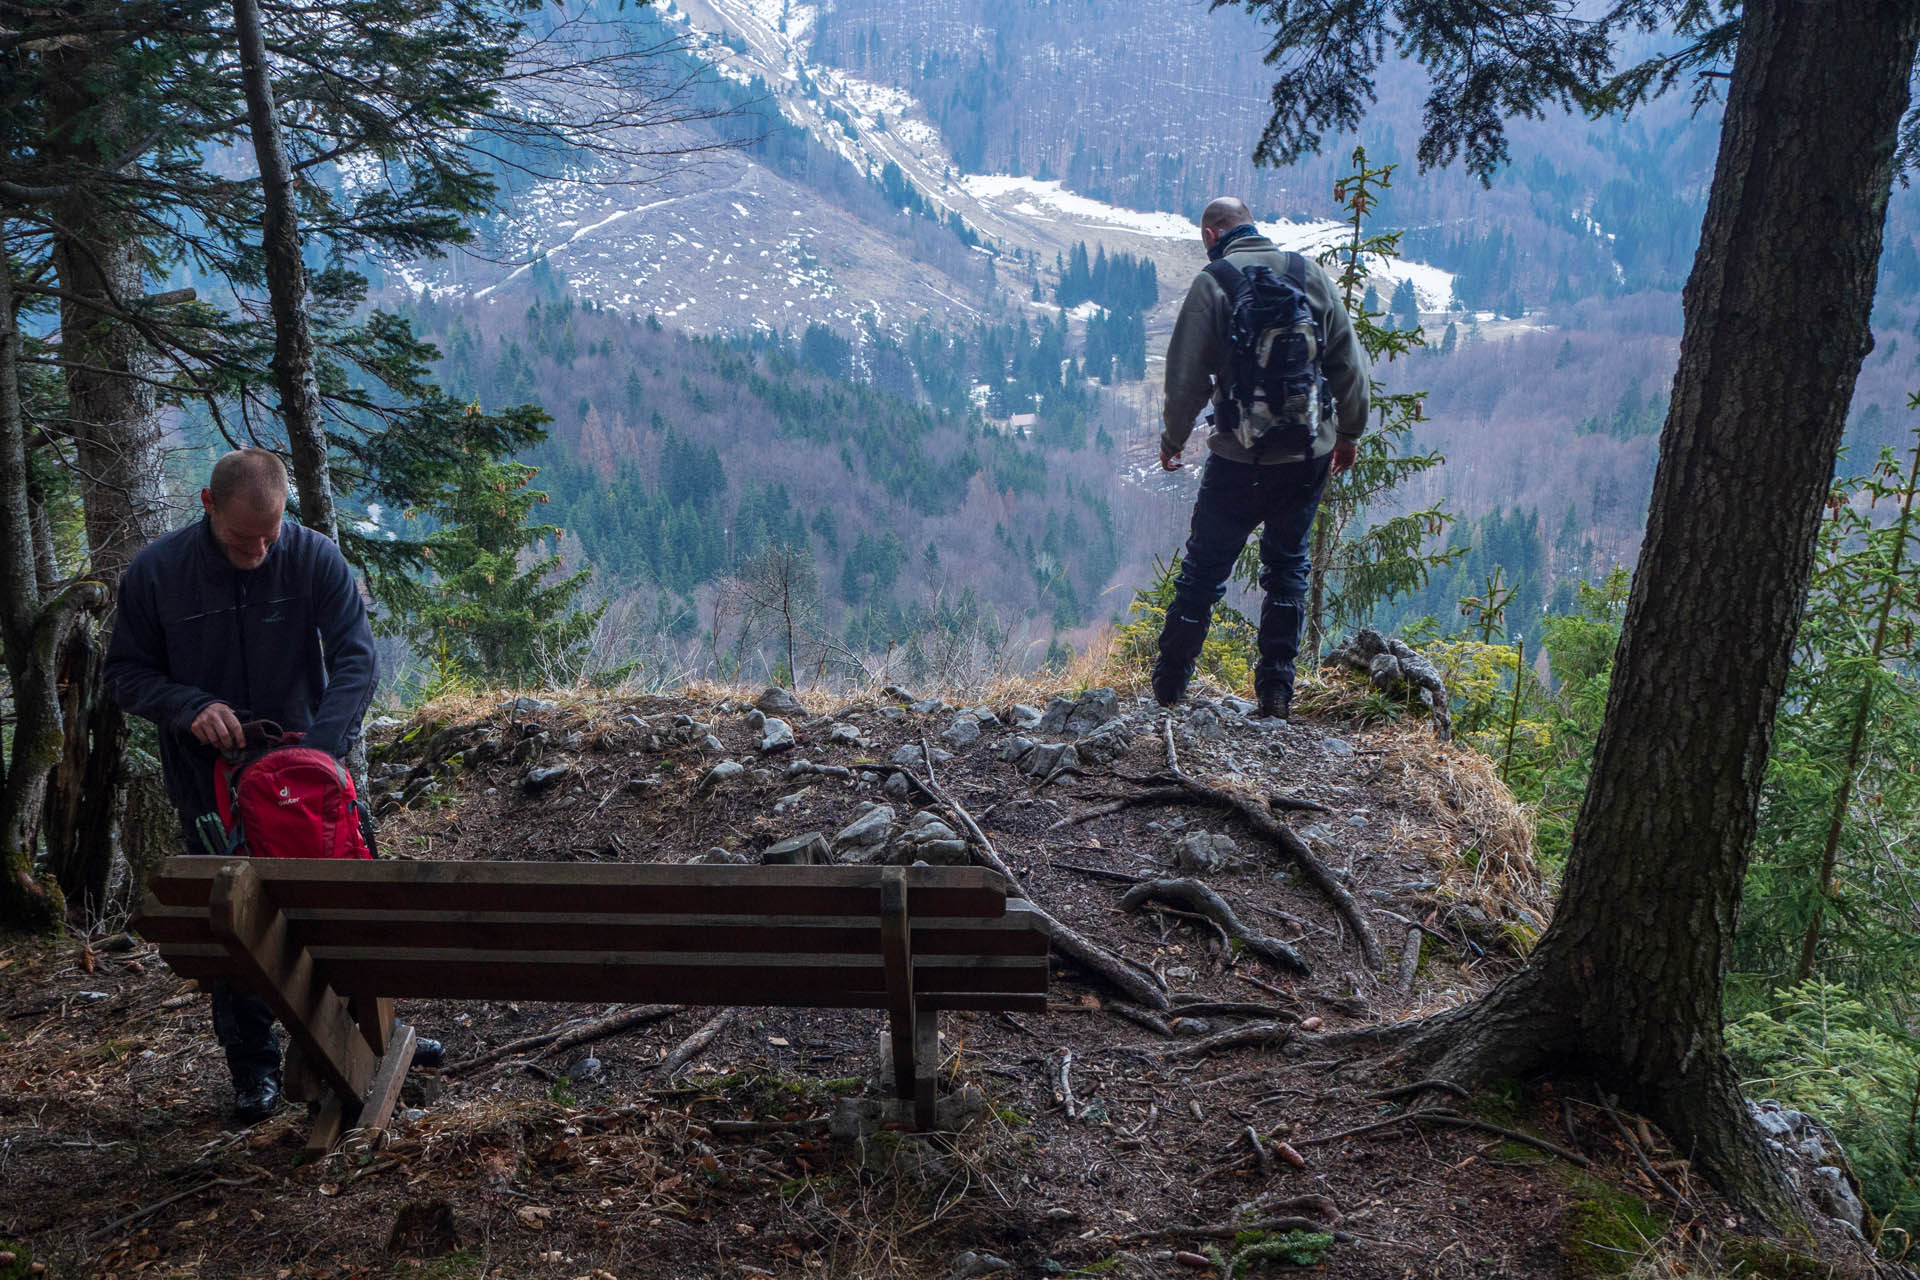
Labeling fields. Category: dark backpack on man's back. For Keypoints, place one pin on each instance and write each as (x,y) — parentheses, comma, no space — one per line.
(1275,399)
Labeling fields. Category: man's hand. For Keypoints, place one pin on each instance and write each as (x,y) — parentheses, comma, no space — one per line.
(1344,454)
(217,726)
(1170,461)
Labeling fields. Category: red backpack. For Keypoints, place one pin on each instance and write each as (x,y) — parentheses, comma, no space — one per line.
(287,801)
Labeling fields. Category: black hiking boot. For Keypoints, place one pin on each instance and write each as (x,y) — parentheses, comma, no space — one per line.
(428,1053)
(256,1096)
(1275,704)
(1170,678)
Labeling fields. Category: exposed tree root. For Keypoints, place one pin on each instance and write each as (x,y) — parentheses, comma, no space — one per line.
(696,1044)
(1253,1035)
(1196,896)
(1070,944)
(1450,1120)
(1282,836)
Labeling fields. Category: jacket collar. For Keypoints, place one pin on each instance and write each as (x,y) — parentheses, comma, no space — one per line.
(1227,241)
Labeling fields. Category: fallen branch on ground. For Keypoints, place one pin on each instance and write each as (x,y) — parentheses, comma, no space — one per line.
(1325,1211)
(157,1205)
(554,1039)
(1140,1017)
(1421,1086)
(1197,897)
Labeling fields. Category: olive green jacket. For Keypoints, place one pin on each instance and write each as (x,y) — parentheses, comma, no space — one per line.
(1200,361)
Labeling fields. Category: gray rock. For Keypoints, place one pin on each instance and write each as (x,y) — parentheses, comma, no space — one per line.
(1833,1196)
(845,735)
(713,746)
(799,851)
(909,757)
(1191,1027)
(756,719)
(934,853)
(718,858)
(1337,747)
(1013,748)
(870,828)
(1106,743)
(928,707)
(1205,724)
(970,1264)
(963,732)
(1048,756)
(1203,851)
(897,785)
(788,803)
(643,786)
(776,735)
(380,724)
(1054,718)
(1026,717)
(779,702)
(1239,706)
(584,1071)
(525,706)
(725,771)
(542,779)
(1091,710)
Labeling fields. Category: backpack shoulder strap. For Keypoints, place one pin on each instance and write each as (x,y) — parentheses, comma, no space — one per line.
(1296,272)
(1226,275)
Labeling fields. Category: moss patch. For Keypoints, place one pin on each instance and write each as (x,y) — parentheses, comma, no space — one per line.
(1766,1260)
(1605,1231)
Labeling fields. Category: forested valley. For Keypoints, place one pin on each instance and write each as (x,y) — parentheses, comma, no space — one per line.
(690,386)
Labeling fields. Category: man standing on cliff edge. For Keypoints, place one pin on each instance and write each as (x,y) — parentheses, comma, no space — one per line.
(1251,480)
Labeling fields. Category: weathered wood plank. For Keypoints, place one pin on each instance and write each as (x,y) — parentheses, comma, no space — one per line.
(384,1091)
(611,888)
(372,1014)
(1016,933)
(896,957)
(261,950)
(926,1055)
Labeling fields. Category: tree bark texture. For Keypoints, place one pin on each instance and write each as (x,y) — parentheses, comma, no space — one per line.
(1627,981)
(29,636)
(293,372)
(113,421)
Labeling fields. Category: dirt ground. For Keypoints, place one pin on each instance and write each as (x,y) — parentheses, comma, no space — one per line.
(117,1157)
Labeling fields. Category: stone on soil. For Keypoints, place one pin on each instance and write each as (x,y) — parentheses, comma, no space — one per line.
(779,702)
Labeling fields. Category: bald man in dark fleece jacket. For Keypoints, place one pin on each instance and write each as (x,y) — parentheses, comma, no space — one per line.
(242,615)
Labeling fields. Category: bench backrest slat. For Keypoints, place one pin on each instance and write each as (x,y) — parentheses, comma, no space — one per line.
(589,888)
(1015,933)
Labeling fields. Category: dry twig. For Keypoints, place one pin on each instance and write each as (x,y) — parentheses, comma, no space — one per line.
(696,1044)
(1450,1120)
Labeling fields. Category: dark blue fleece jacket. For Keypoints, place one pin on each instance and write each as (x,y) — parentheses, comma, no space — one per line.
(286,642)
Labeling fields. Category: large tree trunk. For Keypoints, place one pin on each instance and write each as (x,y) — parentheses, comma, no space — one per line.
(286,284)
(31,630)
(114,424)
(1627,981)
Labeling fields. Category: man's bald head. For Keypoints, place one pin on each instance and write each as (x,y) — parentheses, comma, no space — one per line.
(256,477)
(1224,214)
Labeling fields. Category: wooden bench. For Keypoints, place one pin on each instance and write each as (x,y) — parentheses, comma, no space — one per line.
(330,945)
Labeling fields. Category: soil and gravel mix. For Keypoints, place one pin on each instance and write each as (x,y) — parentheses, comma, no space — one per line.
(1239,1129)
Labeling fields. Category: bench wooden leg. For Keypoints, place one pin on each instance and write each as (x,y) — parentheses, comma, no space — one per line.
(896,951)
(384,1092)
(926,1065)
(267,958)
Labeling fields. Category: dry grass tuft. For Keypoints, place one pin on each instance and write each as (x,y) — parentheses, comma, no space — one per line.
(1477,835)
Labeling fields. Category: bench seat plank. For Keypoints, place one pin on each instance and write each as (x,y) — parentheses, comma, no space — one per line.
(795,981)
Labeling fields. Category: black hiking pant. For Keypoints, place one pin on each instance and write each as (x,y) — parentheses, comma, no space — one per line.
(243,1023)
(1236,498)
